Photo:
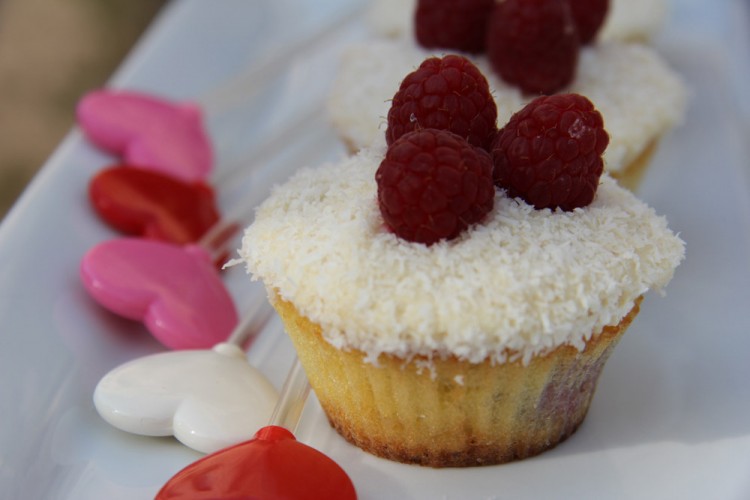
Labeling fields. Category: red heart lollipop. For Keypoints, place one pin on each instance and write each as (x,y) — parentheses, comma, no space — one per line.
(153,205)
(271,465)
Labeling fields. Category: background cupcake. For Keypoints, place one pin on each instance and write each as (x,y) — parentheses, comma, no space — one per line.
(639,95)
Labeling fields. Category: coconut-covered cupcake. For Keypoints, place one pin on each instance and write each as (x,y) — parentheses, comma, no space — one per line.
(639,95)
(453,307)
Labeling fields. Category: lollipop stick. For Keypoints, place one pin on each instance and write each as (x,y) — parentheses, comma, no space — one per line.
(292,398)
(252,322)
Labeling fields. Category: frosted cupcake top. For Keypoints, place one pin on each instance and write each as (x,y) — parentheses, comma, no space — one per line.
(638,95)
(517,285)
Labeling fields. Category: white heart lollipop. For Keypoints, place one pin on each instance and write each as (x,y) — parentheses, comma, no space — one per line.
(207,398)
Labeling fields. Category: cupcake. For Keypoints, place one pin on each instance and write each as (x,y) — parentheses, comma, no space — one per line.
(639,95)
(446,315)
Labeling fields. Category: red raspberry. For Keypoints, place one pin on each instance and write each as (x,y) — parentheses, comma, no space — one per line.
(589,16)
(550,152)
(432,185)
(533,44)
(451,24)
(448,93)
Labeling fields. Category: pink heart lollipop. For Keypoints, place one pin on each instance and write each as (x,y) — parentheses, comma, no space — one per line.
(175,291)
(148,131)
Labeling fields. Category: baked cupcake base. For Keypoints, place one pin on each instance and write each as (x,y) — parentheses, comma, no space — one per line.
(447,412)
(631,176)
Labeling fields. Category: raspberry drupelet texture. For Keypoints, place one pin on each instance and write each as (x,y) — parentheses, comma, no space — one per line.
(448,93)
(589,16)
(432,185)
(448,24)
(533,44)
(550,152)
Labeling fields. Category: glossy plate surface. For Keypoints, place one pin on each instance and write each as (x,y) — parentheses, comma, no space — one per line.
(670,417)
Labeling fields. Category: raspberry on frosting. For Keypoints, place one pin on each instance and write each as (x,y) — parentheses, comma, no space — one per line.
(550,152)
(533,44)
(432,185)
(589,16)
(451,24)
(447,93)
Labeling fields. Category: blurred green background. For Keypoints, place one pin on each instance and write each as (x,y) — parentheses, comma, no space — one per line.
(51,52)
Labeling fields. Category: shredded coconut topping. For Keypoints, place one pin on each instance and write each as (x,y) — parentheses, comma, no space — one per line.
(638,95)
(519,284)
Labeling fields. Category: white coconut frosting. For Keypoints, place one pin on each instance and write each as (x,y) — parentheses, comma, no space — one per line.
(519,284)
(638,95)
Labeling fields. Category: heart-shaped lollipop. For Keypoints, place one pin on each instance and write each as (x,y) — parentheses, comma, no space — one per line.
(208,399)
(273,464)
(148,131)
(153,205)
(175,291)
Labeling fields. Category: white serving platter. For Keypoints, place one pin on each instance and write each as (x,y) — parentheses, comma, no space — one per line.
(671,417)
